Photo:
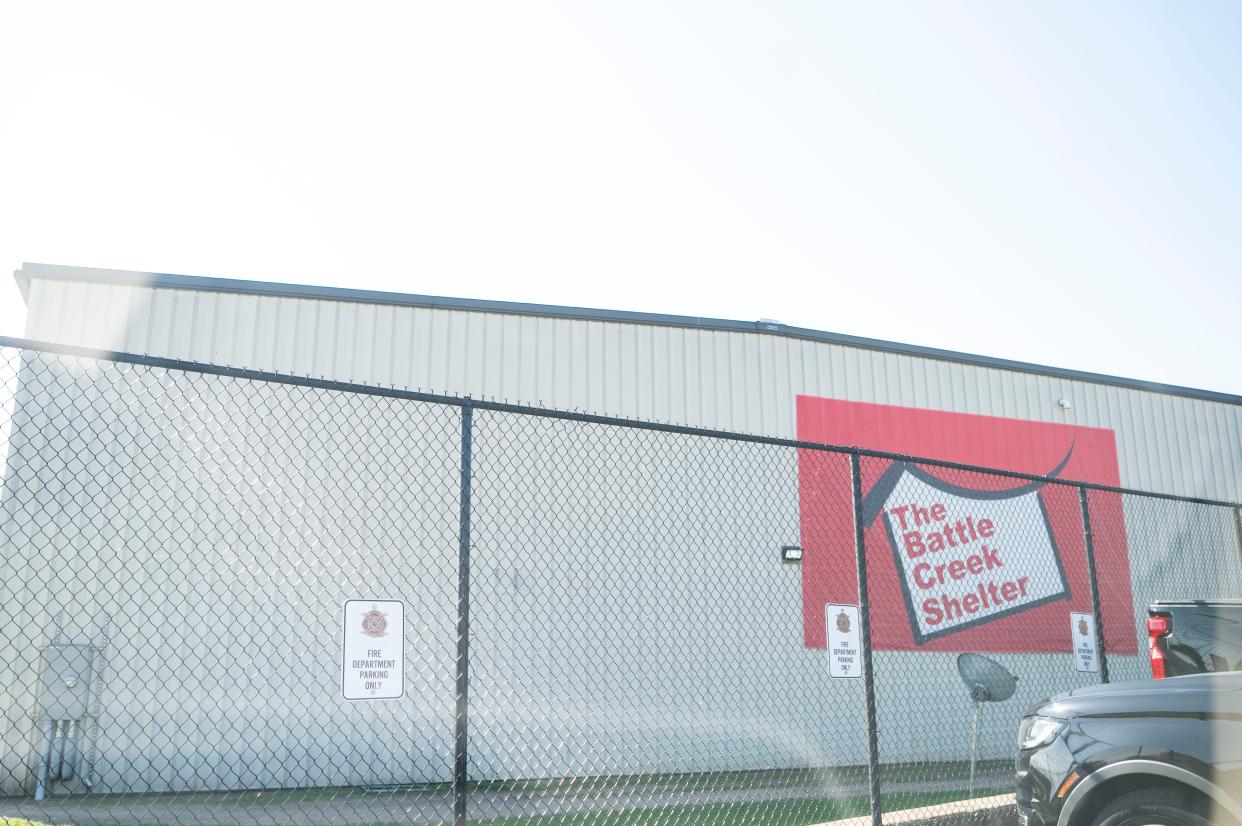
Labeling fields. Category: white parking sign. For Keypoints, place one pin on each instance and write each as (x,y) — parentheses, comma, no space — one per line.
(373,649)
(844,641)
(1082,631)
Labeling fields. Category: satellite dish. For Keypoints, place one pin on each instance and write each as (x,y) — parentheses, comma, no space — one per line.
(988,682)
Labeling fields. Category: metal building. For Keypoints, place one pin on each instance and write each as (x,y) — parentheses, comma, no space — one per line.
(755,377)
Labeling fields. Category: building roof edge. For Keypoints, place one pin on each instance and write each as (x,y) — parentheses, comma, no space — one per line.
(56,272)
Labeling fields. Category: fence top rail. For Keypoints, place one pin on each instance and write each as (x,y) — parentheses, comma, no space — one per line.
(569,415)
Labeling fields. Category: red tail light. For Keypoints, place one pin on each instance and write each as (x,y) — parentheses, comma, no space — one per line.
(1157,628)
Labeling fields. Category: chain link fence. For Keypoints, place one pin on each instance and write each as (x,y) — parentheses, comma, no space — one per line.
(238,598)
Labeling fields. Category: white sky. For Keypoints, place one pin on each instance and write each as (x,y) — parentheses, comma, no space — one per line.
(1057,183)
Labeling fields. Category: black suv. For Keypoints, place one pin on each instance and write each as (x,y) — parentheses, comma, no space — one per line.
(1164,751)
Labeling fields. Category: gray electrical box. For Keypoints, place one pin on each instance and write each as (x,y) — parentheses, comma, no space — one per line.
(65,690)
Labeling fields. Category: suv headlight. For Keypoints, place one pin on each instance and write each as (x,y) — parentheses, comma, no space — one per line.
(1038,731)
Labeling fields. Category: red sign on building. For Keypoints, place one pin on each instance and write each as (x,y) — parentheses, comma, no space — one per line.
(958,560)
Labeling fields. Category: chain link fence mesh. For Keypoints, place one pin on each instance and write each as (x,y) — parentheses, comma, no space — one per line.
(637,640)
(1174,551)
(647,643)
(950,553)
(197,535)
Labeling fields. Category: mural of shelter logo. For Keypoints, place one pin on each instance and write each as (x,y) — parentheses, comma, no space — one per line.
(843,622)
(374,623)
(958,559)
(966,556)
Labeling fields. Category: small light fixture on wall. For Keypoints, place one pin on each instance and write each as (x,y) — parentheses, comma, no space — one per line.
(1064,404)
(791,553)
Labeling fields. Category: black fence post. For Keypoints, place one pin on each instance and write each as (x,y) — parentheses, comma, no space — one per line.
(864,634)
(1093,578)
(462,741)
(1237,527)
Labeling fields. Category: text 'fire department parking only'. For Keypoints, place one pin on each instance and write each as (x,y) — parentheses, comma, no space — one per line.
(373,651)
(1082,628)
(844,641)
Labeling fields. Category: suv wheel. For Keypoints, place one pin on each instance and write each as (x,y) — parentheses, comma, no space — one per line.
(1154,807)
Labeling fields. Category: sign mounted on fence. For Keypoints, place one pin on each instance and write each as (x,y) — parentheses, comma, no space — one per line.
(844,641)
(960,560)
(1082,629)
(373,649)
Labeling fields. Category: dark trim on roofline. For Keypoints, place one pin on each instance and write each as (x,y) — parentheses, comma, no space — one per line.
(54,272)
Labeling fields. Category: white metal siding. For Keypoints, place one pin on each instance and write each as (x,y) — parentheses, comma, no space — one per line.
(731,380)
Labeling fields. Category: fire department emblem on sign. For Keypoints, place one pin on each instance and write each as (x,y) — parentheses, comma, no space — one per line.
(843,622)
(1082,627)
(374,623)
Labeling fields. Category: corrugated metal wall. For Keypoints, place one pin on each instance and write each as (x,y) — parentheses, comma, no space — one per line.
(731,380)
